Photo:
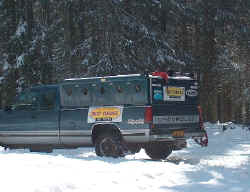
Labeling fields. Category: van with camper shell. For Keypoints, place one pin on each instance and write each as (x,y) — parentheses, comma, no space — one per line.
(117,115)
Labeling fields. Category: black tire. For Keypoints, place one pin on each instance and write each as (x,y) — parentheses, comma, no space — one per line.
(134,149)
(108,145)
(158,150)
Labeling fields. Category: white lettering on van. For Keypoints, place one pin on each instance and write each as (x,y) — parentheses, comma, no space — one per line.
(191,93)
(135,122)
(176,119)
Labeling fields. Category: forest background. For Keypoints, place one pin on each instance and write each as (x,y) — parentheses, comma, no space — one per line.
(46,41)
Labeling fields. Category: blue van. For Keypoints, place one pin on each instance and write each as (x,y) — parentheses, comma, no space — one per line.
(117,115)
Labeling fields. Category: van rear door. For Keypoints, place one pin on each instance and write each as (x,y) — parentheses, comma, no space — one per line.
(175,106)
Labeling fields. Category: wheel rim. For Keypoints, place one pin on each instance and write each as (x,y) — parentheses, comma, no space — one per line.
(108,147)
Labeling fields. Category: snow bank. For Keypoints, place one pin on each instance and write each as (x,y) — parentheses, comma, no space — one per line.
(222,166)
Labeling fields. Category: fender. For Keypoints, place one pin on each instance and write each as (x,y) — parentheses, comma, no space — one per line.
(203,141)
(112,125)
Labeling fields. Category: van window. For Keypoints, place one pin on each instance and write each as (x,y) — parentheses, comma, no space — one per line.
(176,91)
(76,95)
(130,93)
(48,99)
(103,94)
(120,96)
(138,92)
(157,90)
(27,100)
(66,95)
(83,95)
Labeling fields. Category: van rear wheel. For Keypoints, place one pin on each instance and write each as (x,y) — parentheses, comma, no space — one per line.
(159,150)
(108,145)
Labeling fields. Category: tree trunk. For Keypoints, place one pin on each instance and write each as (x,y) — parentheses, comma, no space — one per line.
(46,64)
(10,83)
(163,18)
(45,12)
(68,41)
(208,61)
(81,23)
(248,113)
(29,18)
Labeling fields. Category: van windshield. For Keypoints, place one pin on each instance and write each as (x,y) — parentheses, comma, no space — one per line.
(177,90)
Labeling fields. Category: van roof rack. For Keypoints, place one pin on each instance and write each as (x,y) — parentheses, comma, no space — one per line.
(180,74)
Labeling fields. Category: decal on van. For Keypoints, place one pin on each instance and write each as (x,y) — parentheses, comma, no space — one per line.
(136,122)
(192,93)
(158,94)
(105,114)
(174,93)
(176,119)
(194,87)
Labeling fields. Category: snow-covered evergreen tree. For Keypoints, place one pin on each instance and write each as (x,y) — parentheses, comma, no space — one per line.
(45,41)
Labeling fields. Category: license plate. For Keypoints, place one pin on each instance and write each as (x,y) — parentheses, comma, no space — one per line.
(178,133)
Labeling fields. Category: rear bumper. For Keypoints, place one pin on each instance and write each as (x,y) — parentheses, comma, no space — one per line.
(169,137)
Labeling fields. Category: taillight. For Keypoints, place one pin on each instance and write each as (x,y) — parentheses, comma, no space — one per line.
(203,141)
(200,117)
(148,116)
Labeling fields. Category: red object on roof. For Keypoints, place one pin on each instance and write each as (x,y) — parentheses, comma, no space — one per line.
(163,75)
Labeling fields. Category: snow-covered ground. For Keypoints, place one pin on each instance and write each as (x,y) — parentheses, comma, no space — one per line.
(222,166)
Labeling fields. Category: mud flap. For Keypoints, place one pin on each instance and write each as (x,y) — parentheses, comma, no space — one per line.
(203,141)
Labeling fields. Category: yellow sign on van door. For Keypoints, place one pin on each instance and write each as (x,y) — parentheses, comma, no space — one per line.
(105,114)
(174,93)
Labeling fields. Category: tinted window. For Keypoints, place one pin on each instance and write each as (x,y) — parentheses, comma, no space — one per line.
(176,91)
(76,95)
(138,92)
(187,88)
(48,99)
(103,94)
(120,96)
(27,100)
(66,95)
(130,93)
(157,90)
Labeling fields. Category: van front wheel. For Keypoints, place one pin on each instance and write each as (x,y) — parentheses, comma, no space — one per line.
(159,150)
(108,145)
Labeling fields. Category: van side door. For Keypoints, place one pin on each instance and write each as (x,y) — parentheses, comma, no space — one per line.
(46,118)
(16,123)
